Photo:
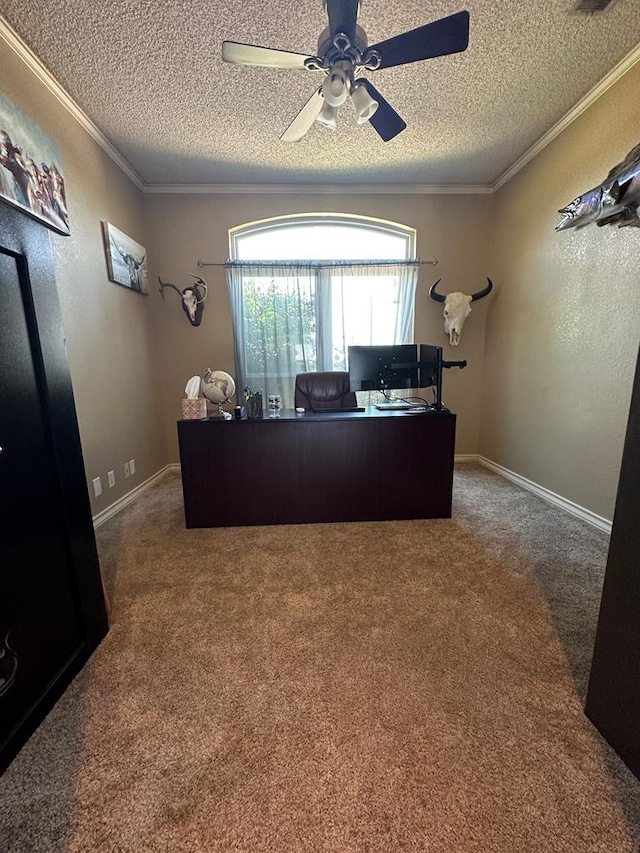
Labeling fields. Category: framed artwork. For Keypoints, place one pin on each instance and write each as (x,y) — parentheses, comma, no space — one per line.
(126,259)
(30,169)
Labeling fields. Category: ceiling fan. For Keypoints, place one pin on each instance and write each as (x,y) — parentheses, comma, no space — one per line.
(343,55)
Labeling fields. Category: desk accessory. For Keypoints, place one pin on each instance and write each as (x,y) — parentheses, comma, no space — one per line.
(194,407)
(394,406)
(339,410)
(253,404)
(218,387)
(274,403)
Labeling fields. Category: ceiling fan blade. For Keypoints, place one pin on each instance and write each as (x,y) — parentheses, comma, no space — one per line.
(385,121)
(448,35)
(305,118)
(265,57)
(342,17)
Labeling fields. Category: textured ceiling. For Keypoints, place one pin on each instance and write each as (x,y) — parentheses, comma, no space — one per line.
(150,76)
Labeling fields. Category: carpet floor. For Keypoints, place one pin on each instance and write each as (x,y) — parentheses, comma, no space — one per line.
(396,686)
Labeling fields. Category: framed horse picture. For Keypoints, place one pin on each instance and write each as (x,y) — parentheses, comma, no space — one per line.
(30,169)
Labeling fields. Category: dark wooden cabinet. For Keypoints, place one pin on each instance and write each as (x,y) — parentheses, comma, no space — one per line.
(52,610)
(369,466)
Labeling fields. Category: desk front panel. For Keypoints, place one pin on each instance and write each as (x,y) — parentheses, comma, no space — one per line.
(317,469)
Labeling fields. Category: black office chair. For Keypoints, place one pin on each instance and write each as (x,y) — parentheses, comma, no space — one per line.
(328,390)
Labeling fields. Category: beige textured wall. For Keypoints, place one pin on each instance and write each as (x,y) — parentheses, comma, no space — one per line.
(109,329)
(181,229)
(563,327)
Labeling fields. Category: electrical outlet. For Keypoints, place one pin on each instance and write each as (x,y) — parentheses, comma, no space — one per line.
(97,487)
(132,466)
(127,471)
(111,478)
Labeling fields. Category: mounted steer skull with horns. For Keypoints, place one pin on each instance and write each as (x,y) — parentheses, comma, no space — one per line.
(192,298)
(457,307)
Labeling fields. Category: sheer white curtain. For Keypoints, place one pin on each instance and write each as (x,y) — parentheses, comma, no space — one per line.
(296,317)
(273,307)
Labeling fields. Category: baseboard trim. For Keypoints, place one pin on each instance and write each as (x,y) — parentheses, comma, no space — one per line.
(546,494)
(125,500)
(549,496)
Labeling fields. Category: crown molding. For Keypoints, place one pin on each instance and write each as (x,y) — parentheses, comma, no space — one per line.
(317,189)
(589,99)
(11,37)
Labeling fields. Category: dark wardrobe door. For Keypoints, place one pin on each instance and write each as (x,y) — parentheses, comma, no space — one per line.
(51,608)
(39,625)
(613,695)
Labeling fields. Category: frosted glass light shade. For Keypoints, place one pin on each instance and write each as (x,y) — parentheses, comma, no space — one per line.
(364,104)
(335,88)
(328,116)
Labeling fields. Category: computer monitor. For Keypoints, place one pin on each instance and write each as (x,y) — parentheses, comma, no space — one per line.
(431,371)
(382,368)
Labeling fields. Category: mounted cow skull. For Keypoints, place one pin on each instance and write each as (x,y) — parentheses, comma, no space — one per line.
(192,298)
(457,307)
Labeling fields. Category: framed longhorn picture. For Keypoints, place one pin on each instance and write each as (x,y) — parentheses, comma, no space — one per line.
(126,259)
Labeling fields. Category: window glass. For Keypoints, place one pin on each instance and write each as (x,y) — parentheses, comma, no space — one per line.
(301,317)
(319,241)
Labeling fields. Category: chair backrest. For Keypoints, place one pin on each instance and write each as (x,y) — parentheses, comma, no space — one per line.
(328,390)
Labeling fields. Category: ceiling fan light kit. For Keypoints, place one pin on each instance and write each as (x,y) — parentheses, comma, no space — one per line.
(343,54)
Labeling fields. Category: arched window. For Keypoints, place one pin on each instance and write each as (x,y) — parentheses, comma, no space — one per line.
(305,288)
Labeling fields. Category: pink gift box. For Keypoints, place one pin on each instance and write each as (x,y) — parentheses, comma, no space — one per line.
(194,409)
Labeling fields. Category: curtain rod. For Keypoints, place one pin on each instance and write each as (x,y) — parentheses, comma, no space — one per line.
(416,261)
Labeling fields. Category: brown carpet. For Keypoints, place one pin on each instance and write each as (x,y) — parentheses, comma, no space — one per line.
(404,686)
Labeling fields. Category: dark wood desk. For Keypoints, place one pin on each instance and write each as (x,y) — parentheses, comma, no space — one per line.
(296,468)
